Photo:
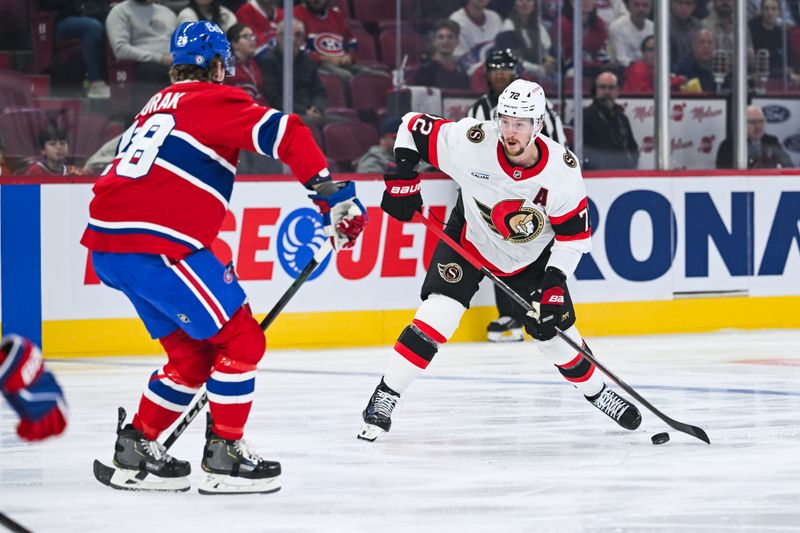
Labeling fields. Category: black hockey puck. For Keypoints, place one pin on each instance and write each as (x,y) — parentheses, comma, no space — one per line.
(660,438)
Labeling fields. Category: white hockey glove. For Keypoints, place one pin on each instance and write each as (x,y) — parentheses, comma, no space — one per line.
(343,215)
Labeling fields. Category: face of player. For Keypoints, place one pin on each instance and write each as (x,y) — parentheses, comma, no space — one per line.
(516,133)
(500,79)
(55,151)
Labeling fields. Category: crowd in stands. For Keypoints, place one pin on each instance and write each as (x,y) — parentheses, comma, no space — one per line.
(123,52)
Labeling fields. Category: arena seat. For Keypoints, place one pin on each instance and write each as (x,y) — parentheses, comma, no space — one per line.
(333,90)
(370,92)
(87,132)
(347,141)
(411,44)
(16,90)
(370,11)
(19,129)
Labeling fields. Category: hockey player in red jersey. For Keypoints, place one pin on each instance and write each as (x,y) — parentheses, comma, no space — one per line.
(31,389)
(523,211)
(155,212)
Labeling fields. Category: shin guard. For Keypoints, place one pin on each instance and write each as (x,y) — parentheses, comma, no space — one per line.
(240,346)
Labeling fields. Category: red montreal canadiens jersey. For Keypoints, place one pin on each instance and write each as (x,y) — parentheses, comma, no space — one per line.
(328,33)
(512,213)
(168,188)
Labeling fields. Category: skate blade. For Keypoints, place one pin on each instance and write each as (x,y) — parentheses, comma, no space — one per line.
(512,335)
(214,484)
(369,433)
(124,479)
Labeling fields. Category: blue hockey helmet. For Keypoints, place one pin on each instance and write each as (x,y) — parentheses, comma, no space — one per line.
(196,43)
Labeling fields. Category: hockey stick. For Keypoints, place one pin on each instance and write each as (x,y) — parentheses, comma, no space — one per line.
(104,473)
(694,431)
(12,525)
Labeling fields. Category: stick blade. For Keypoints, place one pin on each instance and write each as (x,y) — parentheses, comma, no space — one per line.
(102,473)
(694,431)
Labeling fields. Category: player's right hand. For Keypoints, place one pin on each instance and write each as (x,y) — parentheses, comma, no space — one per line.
(31,390)
(402,197)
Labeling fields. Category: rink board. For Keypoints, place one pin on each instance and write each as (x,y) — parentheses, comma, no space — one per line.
(672,253)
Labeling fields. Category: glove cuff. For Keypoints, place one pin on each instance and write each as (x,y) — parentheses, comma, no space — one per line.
(553,274)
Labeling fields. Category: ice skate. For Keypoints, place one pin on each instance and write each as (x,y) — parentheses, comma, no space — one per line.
(378,413)
(142,464)
(231,467)
(504,329)
(617,408)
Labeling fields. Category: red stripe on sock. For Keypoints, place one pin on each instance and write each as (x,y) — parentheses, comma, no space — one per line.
(583,378)
(410,356)
(428,330)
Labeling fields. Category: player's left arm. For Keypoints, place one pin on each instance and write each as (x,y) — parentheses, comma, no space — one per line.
(31,389)
(569,216)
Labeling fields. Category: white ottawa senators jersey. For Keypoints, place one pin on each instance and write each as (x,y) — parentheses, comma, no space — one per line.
(512,213)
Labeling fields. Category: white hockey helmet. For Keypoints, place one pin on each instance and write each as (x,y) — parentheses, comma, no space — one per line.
(522,99)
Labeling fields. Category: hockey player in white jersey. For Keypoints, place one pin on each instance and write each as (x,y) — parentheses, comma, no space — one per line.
(523,211)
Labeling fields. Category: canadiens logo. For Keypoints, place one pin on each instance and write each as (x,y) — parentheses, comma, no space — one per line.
(328,44)
(451,272)
(569,159)
(475,134)
(511,221)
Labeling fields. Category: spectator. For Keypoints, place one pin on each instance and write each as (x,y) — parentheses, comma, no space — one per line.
(595,37)
(380,158)
(441,69)
(720,23)
(608,141)
(263,17)
(309,96)
(140,31)
(479,26)
(54,147)
(247,75)
(524,20)
(626,33)
(329,40)
(207,10)
(611,10)
(763,150)
(682,27)
(640,75)
(697,68)
(4,170)
(767,34)
(79,19)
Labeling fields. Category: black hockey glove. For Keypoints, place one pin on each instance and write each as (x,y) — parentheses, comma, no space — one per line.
(547,302)
(402,197)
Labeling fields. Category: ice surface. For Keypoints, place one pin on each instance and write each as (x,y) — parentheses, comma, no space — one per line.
(491,438)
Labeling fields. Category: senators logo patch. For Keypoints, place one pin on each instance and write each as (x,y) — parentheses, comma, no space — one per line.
(451,272)
(569,159)
(476,134)
(511,221)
